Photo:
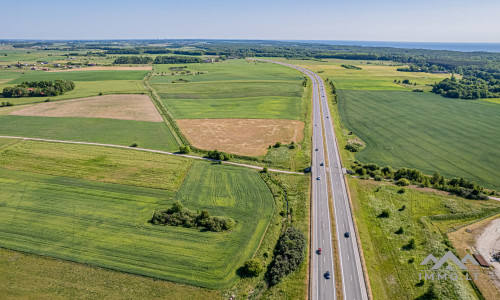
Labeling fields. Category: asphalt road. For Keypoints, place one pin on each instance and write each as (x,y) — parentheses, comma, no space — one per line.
(353,283)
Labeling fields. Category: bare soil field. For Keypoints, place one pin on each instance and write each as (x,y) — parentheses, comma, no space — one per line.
(482,237)
(110,68)
(121,107)
(241,136)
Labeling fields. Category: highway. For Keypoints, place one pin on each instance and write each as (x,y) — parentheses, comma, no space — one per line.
(324,140)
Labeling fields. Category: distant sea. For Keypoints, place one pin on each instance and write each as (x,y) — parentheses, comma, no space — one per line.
(464,47)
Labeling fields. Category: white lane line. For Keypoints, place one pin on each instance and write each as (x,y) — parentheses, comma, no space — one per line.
(348,257)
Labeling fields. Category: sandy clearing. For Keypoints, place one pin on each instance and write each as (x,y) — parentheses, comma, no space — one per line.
(249,137)
(488,243)
(121,107)
(110,68)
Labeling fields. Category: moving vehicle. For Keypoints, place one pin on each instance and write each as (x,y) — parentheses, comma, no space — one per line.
(346,234)
(327,275)
(321,164)
(318,178)
(319,251)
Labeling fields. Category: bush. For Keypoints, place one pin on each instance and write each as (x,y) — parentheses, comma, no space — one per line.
(184,149)
(403,182)
(264,170)
(384,214)
(378,178)
(353,147)
(253,267)
(410,245)
(400,230)
(134,145)
(401,190)
(277,145)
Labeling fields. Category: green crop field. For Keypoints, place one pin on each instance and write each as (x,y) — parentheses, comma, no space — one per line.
(152,135)
(122,166)
(107,225)
(394,271)
(81,76)
(426,131)
(36,277)
(232,89)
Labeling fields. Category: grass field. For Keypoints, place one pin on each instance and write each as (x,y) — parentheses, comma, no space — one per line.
(392,274)
(426,131)
(87,83)
(152,135)
(121,166)
(232,89)
(26,276)
(106,224)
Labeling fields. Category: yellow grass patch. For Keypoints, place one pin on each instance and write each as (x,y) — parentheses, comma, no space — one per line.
(241,136)
(122,107)
(110,68)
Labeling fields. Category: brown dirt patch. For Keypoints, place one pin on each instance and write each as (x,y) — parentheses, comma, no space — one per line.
(464,240)
(111,68)
(241,136)
(122,107)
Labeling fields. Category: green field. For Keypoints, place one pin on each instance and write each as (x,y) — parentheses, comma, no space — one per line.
(26,276)
(391,272)
(97,163)
(426,131)
(81,76)
(87,83)
(106,225)
(152,135)
(232,89)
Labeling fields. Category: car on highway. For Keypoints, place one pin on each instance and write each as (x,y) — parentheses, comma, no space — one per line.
(327,275)
(318,178)
(321,164)
(316,149)
(319,251)
(346,234)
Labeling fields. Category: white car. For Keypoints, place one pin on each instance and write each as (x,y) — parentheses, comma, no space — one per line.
(318,178)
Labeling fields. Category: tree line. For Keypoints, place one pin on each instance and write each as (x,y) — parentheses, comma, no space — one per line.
(405,176)
(177,60)
(133,60)
(39,89)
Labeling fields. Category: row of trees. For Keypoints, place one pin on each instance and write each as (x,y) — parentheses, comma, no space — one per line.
(219,155)
(39,89)
(288,255)
(405,176)
(133,60)
(351,67)
(178,215)
(177,60)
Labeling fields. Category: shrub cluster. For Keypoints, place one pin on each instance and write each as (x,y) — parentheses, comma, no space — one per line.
(288,255)
(178,215)
(39,89)
(6,104)
(133,60)
(351,67)
(215,154)
(333,89)
(353,147)
(469,87)
(184,149)
(405,176)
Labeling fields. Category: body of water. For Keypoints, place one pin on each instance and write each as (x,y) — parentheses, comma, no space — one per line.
(464,47)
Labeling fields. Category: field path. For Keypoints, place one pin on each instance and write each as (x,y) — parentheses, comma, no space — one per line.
(147,150)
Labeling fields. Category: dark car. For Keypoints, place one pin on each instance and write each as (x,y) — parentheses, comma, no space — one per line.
(321,164)
(327,275)
(319,251)
(316,149)
(346,234)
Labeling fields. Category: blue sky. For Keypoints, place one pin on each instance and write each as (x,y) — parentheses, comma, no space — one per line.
(364,20)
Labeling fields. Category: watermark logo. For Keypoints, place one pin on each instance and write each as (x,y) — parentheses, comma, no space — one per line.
(444,270)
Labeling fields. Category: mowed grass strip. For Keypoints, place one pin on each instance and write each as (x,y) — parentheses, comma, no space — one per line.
(152,135)
(231,89)
(458,138)
(108,227)
(121,166)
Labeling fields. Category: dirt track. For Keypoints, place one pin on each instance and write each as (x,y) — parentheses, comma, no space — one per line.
(488,243)
(111,68)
